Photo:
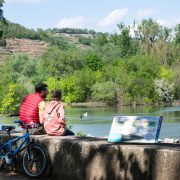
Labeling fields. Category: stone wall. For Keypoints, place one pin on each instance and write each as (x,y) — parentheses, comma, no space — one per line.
(95,159)
(78,158)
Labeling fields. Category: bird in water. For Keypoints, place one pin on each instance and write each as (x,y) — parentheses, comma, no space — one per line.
(85,115)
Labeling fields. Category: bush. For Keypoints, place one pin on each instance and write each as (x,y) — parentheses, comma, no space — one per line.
(56,63)
(106,92)
(85,41)
(12,99)
(164,89)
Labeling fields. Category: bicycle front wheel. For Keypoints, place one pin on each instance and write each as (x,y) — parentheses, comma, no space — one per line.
(2,160)
(35,160)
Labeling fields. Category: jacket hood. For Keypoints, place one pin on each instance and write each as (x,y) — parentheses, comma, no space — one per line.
(51,105)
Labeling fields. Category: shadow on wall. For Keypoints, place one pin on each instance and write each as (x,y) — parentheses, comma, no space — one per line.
(82,160)
(94,159)
(78,159)
(110,163)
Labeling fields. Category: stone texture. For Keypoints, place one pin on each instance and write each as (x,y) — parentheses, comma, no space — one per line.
(94,159)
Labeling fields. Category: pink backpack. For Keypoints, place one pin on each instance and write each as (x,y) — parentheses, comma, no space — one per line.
(51,111)
(53,123)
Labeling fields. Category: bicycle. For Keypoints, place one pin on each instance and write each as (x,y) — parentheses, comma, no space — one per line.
(34,158)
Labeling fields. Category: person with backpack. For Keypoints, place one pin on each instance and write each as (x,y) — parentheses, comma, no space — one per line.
(54,119)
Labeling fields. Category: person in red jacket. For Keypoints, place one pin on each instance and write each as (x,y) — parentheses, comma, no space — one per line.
(32,107)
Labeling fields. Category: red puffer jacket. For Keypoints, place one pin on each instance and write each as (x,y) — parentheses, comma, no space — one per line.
(29,111)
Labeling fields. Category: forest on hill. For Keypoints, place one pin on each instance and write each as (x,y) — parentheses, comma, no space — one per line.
(139,65)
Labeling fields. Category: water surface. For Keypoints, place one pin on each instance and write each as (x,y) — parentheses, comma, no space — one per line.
(99,119)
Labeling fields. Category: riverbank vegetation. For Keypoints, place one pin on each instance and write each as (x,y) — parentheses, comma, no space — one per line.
(136,65)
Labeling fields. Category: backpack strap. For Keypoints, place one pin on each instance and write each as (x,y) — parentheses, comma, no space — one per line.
(54,107)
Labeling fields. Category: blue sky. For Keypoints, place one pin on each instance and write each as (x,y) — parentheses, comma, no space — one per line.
(101,15)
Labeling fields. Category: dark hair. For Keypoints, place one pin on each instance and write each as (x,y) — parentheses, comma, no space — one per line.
(40,87)
(56,94)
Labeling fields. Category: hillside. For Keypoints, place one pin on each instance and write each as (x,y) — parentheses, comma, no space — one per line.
(32,48)
(74,39)
(17,39)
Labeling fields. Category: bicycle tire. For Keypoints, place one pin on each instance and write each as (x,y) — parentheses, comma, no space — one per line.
(30,156)
(2,161)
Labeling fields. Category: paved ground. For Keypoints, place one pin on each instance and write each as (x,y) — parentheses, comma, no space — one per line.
(10,175)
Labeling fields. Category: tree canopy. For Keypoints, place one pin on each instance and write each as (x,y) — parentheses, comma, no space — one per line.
(118,68)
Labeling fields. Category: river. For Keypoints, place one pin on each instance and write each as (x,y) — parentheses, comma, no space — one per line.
(99,119)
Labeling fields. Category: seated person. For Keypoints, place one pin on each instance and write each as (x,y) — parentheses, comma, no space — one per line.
(32,108)
(54,120)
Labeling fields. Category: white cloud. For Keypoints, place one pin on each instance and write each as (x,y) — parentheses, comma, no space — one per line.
(113,17)
(24,1)
(75,22)
(169,22)
(145,13)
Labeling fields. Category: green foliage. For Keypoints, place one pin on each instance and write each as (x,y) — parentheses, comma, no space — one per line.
(108,53)
(166,73)
(86,41)
(72,31)
(106,92)
(123,40)
(84,80)
(2,19)
(52,83)
(94,62)
(177,38)
(1,11)
(80,134)
(117,69)
(148,33)
(12,99)
(101,39)
(70,94)
(18,72)
(12,30)
(20,66)
(56,62)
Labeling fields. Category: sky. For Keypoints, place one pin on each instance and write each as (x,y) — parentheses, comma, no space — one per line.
(100,15)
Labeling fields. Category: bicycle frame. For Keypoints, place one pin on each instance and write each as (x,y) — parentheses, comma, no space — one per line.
(9,143)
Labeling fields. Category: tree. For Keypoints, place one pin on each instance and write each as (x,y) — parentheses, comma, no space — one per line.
(177,36)
(52,83)
(101,39)
(123,40)
(94,62)
(20,66)
(1,11)
(1,17)
(57,62)
(84,79)
(106,92)
(11,100)
(147,33)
